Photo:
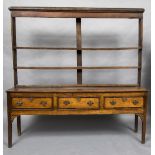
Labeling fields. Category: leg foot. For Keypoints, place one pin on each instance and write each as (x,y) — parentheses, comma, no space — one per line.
(19,125)
(143,129)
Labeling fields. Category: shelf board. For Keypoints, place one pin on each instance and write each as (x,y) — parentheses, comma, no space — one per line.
(79,67)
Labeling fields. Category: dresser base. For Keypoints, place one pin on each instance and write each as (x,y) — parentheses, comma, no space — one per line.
(76,101)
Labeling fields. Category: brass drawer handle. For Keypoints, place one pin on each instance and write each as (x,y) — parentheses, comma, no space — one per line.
(66,102)
(19,103)
(135,102)
(124,99)
(43,103)
(30,99)
(113,102)
(78,99)
(90,103)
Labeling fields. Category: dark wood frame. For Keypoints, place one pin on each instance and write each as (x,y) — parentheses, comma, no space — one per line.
(55,91)
(82,13)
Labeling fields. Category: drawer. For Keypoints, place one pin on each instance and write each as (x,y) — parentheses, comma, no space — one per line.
(31,102)
(122,102)
(78,103)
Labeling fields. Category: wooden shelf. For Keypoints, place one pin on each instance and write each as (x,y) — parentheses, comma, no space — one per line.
(80,67)
(82,49)
(78,9)
(77,85)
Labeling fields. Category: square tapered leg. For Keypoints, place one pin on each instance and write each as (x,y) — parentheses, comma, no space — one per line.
(19,125)
(136,123)
(9,132)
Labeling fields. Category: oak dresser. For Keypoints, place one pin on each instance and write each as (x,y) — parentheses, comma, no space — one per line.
(80,98)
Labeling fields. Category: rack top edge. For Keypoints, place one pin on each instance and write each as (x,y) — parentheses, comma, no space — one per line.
(78,9)
(78,89)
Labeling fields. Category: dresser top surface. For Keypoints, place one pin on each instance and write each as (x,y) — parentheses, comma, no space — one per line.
(79,9)
(77,89)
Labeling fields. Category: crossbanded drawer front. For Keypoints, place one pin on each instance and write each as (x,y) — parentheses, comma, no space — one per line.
(124,102)
(32,103)
(78,103)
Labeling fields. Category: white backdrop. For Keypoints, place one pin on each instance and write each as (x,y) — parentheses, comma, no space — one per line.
(61,32)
